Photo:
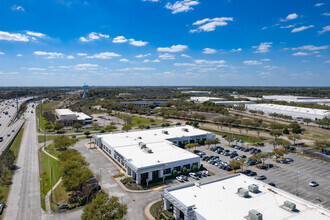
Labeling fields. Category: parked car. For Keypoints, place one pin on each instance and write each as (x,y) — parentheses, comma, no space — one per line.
(289,159)
(252,174)
(262,177)
(180,178)
(272,184)
(262,167)
(63,207)
(1,208)
(206,173)
(194,176)
(313,184)
(246,172)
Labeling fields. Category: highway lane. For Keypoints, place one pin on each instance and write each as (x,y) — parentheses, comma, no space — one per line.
(24,196)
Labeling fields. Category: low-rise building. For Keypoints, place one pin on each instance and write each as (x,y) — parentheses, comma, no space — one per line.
(295,99)
(233,103)
(206,99)
(154,153)
(197,92)
(237,197)
(68,117)
(143,103)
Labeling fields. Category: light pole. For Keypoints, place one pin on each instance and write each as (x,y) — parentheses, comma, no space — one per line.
(297,172)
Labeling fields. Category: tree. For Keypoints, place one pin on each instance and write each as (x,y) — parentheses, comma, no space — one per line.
(294,137)
(62,142)
(77,126)
(322,145)
(246,123)
(189,146)
(174,173)
(235,164)
(278,152)
(126,127)
(264,156)
(48,126)
(295,128)
(95,126)
(229,139)
(286,131)
(110,128)
(184,170)
(194,168)
(58,126)
(87,133)
(103,207)
(307,120)
(8,159)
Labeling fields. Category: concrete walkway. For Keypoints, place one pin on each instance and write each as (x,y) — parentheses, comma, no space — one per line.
(47,201)
(43,150)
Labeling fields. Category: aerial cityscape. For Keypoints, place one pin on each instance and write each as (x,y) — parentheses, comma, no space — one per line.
(164,109)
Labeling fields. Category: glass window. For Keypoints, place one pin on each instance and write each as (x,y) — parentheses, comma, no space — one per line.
(167,171)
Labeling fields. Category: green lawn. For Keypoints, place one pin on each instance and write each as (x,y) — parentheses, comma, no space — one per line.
(52,150)
(250,139)
(4,188)
(50,106)
(45,165)
(156,209)
(41,138)
(136,121)
(60,197)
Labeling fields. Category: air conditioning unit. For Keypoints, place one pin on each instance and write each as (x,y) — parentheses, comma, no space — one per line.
(165,132)
(290,205)
(185,129)
(142,145)
(242,192)
(255,215)
(253,188)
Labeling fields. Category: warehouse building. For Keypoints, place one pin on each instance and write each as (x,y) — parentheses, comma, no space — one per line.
(68,117)
(237,197)
(233,103)
(154,153)
(143,103)
(296,99)
(206,99)
(294,112)
(197,92)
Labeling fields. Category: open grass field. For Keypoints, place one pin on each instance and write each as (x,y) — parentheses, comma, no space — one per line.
(60,197)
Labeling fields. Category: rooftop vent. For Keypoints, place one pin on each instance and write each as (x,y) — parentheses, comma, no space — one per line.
(142,145)
(147,150)
(164,132)
(185,129)
(139,137)
(289,205)
(253,188)
(255,215)
(242,192)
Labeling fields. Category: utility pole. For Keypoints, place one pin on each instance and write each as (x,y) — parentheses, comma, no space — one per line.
(51,184)
(297,172)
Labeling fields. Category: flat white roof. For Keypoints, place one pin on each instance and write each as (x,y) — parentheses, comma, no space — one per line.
(219,200)
(205,99)
(163,151)
(82,116)
(64,112)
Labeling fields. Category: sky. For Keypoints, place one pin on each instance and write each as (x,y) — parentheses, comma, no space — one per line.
(165,43)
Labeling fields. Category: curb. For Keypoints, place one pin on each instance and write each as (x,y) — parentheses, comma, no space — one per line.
(147,209)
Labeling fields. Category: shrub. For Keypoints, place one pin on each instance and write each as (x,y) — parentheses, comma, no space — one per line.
(175,173)
(194,168)
(184,170)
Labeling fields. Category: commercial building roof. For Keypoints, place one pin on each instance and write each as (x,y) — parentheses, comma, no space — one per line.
(82,116)
(157,140)
(293,109)
(219,200)
(64,112)
(205,99)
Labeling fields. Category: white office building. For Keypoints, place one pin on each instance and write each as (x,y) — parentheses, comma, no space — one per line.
(237,197)
(233,103)
(197,92)
(206,99)
(154,153)
(294,112)
(68,117)
(295,99)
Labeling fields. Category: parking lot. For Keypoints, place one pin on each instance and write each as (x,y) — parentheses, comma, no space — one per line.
(293,177)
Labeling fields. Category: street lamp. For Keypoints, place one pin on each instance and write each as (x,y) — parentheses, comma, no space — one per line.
(297,172)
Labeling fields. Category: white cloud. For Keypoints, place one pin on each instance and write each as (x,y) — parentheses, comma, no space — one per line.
(208,24)
(2,53)
(302,28)
(104,55)
(144,68)
(150,0)
(35,69)
(209,51)
(137,43)
(300,54)
(318,4)
(35,34)
(93,36)
(263,47)
(166,56)
(70,57)
(326,14)
(151,61)
(119,39)
(172,49)
(19,55)
(181,6)
(185,55)
(327,61)
(48,55)
(17,8)
(325,29)
(83,66)
(288,26)
(142,55)
(184,64)
(290,17)
(13,37)
(236,50)
(265,60)
(252,62)
(209,62)
(311,48)
(82,54)
(123,60)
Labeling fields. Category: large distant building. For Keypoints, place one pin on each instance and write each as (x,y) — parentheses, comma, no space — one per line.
(233,103)
(296,99)
(237,197)
(68,117)
(152,154)
(294,112)
(197,92)
(144,103)
(206,99)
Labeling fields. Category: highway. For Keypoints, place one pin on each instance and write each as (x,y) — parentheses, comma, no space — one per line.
(24,196)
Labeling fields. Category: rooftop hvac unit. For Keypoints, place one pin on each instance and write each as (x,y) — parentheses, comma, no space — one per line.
(185,129)
(142,145)
(165,132)
(147,150)
(253,188)
(242,192)
(255,215)
(289,205)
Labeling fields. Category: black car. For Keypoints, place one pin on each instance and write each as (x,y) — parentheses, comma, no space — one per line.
(246,172)
(262,167)
(252,174)
(272,184)
(63,207)
(262,177)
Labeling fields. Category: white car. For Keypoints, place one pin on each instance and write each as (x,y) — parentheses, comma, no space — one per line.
(180,179)
(193,175)
(313,184)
